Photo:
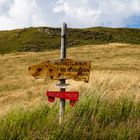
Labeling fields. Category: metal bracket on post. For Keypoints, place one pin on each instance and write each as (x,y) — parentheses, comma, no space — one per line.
(62,86)
(62,81)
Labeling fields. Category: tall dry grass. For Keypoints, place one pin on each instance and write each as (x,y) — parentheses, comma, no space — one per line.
(108,107)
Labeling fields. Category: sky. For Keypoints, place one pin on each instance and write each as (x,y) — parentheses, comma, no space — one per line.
(76,13)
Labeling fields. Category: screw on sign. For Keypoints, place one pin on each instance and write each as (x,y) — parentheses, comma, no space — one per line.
(61,70)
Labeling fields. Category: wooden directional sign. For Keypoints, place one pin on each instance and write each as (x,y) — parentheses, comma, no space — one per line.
(62,69)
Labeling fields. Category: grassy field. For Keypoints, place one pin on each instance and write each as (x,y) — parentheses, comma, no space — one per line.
(108,108)
(46,38)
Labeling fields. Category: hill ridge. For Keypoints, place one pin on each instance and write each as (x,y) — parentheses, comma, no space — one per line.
(35,39)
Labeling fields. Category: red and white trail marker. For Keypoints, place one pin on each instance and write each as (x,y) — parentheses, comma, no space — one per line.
(71,95)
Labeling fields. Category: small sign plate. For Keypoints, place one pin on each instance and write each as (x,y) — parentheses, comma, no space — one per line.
(62,69)
(70,95)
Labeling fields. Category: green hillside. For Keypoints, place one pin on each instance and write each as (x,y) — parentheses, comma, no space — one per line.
(44,38)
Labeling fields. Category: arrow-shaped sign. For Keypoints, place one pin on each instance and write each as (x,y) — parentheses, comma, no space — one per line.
(62,69)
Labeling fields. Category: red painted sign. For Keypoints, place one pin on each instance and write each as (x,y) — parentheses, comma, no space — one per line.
(72,96)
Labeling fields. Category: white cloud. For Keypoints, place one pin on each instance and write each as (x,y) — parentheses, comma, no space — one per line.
(99,12)
(80,13)
(5,6)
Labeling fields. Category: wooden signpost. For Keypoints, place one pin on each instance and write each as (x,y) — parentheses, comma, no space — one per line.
(61,70)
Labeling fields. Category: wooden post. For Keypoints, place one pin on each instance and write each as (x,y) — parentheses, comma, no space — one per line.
(63,41)
(62,81)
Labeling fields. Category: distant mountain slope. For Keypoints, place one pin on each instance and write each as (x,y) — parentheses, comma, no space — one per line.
(44,38)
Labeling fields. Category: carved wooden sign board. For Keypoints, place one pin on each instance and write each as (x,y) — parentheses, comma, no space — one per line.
(62,69)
